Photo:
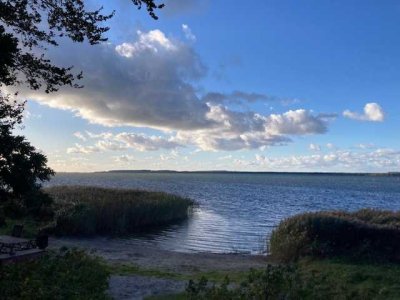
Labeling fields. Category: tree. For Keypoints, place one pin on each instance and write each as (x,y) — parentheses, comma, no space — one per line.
(22,167)
(28,26)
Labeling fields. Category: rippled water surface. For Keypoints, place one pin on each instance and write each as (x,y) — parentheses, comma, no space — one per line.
(238,211)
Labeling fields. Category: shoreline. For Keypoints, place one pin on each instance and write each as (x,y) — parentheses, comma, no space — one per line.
(148,257)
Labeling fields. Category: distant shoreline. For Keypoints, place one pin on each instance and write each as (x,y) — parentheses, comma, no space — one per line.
(395,174)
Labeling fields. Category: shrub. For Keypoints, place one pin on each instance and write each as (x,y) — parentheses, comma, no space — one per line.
(275,282)
(14,208)
(367,233)
(69,274)
(307,279)
(34,204)
(39,205)
(93,210)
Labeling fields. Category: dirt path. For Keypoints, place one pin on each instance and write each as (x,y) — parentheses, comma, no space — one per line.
(151,258)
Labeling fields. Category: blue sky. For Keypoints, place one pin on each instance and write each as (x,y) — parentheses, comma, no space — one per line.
(266,85)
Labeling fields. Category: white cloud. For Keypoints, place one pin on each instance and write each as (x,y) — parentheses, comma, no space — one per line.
(380,159)
(149,82)
(372,112)
(296,122)
(166,157)
(142,142)
(80,136)
(152,41)
(107,145)
(102,135)
(79,149)
(314,147)
(366,146)
(188,33)
(143,83)
(248,130)
(107,141)
(124,158)
(233,131)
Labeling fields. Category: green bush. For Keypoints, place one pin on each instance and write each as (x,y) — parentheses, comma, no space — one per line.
(39,205)
(93,210)
(35,204)
(14,208)
(306,279)
(365,234)
(69,274)
(275,282)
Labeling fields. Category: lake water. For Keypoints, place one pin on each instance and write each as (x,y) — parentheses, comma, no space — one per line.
(238,211)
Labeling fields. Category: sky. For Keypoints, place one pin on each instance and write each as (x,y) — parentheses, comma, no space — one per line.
(229,85)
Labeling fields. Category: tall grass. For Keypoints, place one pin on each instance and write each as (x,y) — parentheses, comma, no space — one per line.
(82,210)
(307,279)
(364,234)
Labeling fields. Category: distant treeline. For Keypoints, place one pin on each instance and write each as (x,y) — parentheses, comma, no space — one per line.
(249,172)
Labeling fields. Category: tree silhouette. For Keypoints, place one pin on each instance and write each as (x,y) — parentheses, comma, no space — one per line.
(22,167)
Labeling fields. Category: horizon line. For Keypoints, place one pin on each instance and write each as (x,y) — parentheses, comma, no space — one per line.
(390,173)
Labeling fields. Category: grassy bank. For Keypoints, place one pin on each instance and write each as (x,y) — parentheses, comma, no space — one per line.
(322,255)
(68,274)
(306,279)
(92,210)
(366,234)
(344,279)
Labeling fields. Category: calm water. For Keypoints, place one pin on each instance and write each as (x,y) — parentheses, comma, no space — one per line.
(238,211)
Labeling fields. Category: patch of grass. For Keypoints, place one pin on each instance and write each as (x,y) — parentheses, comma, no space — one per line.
(132,269)
(307,279)
(215,277)
(365,234)
(82,210)
(342,279)
(68,274)
(275,282)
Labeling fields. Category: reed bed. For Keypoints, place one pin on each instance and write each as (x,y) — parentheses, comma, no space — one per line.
(82,210)
(364,234)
